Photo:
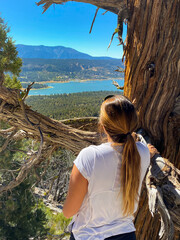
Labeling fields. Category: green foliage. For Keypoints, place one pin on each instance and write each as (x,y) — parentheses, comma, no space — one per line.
(12,82)
(9,61)
(57,223)
(64,106)
(20,215)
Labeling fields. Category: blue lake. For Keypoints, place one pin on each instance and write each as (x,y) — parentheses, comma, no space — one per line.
(75,86)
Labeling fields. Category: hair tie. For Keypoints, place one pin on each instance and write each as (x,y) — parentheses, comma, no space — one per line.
(128,133)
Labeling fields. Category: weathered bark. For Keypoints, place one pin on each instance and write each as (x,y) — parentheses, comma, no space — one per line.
(54,132)
(152,78)
(111,5)
(162,175)
(152,74)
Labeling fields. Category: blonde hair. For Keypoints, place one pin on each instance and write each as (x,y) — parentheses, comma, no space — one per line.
(119,119)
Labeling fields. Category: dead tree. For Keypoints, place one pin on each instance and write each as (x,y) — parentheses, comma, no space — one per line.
(152,80)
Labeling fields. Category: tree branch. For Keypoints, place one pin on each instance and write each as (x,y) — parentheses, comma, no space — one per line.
(55,132)
(94,19)
(8,139)
(33,161)
(110,5)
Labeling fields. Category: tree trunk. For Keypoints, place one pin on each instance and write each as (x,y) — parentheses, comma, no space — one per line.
(152,74)
(152,78)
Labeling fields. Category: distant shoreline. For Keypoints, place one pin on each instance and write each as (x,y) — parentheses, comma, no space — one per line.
(40,88)
(78,80)
(37,88)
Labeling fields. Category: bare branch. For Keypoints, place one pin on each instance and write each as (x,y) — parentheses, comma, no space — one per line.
(7,131)
(120,69)
(112,39)
(33,160)
(104,12)
(18,135)
(24,170)
(16,150)
(117,85)
(94,19)
(26,91)
(110,5)
(8,140)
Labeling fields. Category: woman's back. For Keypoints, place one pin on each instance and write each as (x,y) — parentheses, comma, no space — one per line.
(101,214)
(106,180)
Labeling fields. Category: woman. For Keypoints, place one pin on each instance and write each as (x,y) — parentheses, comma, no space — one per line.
(106,180)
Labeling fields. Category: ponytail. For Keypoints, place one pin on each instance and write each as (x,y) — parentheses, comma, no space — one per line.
(130,175)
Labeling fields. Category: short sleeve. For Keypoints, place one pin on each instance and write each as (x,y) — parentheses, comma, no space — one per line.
(85,162)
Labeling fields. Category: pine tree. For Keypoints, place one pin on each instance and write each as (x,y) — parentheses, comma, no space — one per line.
(12,82)
(9,60)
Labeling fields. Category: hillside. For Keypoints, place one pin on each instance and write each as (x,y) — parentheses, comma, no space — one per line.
(65,106)
(40,70)
(47,52)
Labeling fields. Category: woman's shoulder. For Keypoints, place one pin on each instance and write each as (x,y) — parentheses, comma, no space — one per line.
(93,152)
(85,160)
(99,147)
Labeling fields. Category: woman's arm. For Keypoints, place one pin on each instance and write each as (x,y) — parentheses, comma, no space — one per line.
(78,187)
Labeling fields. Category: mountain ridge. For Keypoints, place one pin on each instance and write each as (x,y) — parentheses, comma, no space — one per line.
(53,52)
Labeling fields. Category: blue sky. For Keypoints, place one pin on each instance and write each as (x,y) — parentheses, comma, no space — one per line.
(61,25)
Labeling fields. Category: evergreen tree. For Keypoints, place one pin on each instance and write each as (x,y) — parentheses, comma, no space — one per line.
(9,60)
(12,82)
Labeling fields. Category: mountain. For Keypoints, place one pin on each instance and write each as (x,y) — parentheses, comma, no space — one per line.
(58,52)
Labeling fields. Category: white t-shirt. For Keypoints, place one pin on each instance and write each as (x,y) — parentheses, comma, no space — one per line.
(100,215)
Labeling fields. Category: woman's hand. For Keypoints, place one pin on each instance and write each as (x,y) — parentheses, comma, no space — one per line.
(152,150)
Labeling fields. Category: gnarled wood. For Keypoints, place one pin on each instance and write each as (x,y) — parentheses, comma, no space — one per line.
(54,132)
(152,78)
(111,5)
(162,182)
(152,74)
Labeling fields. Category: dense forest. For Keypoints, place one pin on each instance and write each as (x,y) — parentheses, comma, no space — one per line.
(40,70)
(64,106)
